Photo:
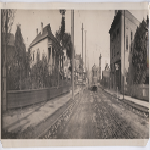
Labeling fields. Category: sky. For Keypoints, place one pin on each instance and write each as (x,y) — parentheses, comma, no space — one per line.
(96,23)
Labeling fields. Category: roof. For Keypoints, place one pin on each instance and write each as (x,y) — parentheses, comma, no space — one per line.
(47,33)
(118,17)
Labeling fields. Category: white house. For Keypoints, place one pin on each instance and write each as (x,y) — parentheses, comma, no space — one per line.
(45,44)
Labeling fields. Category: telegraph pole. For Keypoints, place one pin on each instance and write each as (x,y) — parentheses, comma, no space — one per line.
(124,56)
(82,54)
(85,62)
(85,49)
(72,39)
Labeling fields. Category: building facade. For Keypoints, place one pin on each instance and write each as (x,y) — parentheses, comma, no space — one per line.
(122,33)
(95,75)
(100,57)
(106,77)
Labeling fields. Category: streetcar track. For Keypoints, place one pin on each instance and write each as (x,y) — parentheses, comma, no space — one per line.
(55,129)
(105,114)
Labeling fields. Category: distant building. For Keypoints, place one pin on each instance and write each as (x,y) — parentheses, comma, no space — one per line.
(66,65)
(79,69)
(100,57)
(45,44)
(106,77)
(119,32)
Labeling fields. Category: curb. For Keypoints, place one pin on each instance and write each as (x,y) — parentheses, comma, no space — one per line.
(131,104)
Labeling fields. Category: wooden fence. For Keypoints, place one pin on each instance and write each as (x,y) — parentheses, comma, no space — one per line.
(21,98)
(140,91)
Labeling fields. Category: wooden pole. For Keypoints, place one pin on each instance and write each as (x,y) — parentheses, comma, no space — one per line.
(85,49)
(124,57)
(72,39)
(82,54)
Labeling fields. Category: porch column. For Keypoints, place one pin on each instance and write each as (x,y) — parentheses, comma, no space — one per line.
(60,62)
(54,57)
(51,61)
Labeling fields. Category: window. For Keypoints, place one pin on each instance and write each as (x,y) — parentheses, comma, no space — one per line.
(3,85)
(33,56)
(38,53)
(126,42)
(114,51)
(131,36)
(118,34)
(49,53)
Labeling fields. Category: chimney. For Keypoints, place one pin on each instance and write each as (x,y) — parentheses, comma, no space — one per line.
(37,31)
(41,27)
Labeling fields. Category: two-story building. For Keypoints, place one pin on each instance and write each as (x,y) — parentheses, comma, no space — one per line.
(46,45)
(122,33)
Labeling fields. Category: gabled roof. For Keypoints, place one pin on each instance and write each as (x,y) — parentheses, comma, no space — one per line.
(47,33)
(117,18)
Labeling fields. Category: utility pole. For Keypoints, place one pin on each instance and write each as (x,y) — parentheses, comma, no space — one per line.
(85,61)
(85,49)
(72,39)
(124,56)
(82,54)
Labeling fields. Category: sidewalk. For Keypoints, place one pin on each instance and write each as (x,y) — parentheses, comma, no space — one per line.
(18,120)
(128,98)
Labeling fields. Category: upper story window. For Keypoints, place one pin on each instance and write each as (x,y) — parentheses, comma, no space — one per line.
(131,36)
(38,53)
(114,50)
(131,41)
(126,42)
(33,56)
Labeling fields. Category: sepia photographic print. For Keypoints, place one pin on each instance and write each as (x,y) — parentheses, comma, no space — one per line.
(71,74)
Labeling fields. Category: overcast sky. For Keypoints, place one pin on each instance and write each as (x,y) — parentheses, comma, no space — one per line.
(96,23)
